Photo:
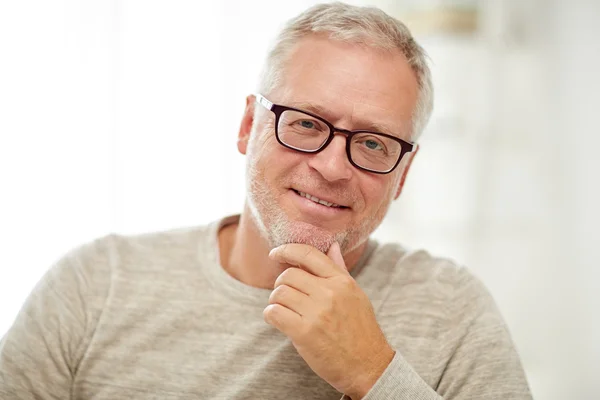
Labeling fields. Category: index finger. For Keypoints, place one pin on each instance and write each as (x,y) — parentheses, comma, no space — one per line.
(305,257)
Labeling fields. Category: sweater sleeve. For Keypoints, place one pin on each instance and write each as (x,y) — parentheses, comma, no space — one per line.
(481,360)
(40,353)
(400,381)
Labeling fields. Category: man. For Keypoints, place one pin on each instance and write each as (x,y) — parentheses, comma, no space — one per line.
(291,299)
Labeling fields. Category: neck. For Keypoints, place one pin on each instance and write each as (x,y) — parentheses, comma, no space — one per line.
(244,254)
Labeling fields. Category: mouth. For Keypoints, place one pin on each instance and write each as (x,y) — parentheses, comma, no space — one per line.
(319,201)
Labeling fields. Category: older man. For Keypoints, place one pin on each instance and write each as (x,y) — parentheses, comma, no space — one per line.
(329,141)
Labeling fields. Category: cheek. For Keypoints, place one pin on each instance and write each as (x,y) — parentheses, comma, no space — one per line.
(377,191)
(271,158)
(261,145)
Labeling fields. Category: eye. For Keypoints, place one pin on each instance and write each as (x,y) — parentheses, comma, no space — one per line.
(308,124)
(372,144)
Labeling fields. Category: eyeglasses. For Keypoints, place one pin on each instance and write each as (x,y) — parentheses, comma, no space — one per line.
(308,133)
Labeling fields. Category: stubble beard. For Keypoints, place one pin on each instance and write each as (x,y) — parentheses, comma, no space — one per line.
(277,228)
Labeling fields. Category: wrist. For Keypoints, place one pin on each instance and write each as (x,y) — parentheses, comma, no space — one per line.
(371,374)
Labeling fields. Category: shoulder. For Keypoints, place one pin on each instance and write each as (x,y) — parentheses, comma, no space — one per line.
(117,252)
(157,248)
(407,266)
(437,298)
(417,276)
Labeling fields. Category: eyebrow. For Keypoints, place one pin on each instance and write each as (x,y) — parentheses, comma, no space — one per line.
(326,114)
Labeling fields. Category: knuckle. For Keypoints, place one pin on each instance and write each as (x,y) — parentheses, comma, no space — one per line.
(329,295)
(305,331)
(279,281)
(348,282)
(328,302)
(280,292)
(270,313)
(286,276)
(296,274)
(282,278)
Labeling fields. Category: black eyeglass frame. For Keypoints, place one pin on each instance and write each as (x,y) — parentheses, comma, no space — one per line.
(278,109)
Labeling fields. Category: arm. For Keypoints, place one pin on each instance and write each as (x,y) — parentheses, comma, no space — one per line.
(482,362)
(401,382)
(332,325)
(40,353)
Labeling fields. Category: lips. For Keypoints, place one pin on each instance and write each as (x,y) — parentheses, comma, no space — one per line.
(318,200)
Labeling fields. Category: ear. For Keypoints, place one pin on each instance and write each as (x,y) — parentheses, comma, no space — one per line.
(246,124)
(410,156)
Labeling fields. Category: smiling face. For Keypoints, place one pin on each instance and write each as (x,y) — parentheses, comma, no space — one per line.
(353,87)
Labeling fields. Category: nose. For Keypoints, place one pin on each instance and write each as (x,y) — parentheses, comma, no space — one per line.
(332,162)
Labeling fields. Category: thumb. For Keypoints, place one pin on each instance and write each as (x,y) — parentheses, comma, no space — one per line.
(335,254)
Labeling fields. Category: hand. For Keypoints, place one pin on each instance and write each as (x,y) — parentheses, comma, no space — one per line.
(328,318)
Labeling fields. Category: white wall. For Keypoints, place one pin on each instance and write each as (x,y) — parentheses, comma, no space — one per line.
(575,55)
(122,116)
(56,130)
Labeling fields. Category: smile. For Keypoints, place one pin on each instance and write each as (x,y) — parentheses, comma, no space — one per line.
(317,200)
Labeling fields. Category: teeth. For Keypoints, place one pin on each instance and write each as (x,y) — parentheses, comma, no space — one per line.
(317,200)
(325,203)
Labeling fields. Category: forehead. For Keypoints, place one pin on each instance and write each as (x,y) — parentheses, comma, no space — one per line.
(356,84)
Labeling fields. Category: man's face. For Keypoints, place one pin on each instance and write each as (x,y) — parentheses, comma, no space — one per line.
(353,87)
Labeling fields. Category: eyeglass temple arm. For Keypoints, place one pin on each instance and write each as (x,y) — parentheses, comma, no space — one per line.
(266,103)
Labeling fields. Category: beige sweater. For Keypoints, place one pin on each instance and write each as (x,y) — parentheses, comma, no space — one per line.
(156,317)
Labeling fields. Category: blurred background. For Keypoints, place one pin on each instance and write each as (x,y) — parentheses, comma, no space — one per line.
(122,116)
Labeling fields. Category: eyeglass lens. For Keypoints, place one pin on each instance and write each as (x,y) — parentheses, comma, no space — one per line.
(368,150)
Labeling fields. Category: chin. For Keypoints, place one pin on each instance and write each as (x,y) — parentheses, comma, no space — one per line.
(278,227)
(283,230)
(304,233)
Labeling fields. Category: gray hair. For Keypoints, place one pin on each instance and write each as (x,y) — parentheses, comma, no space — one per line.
(367,26)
